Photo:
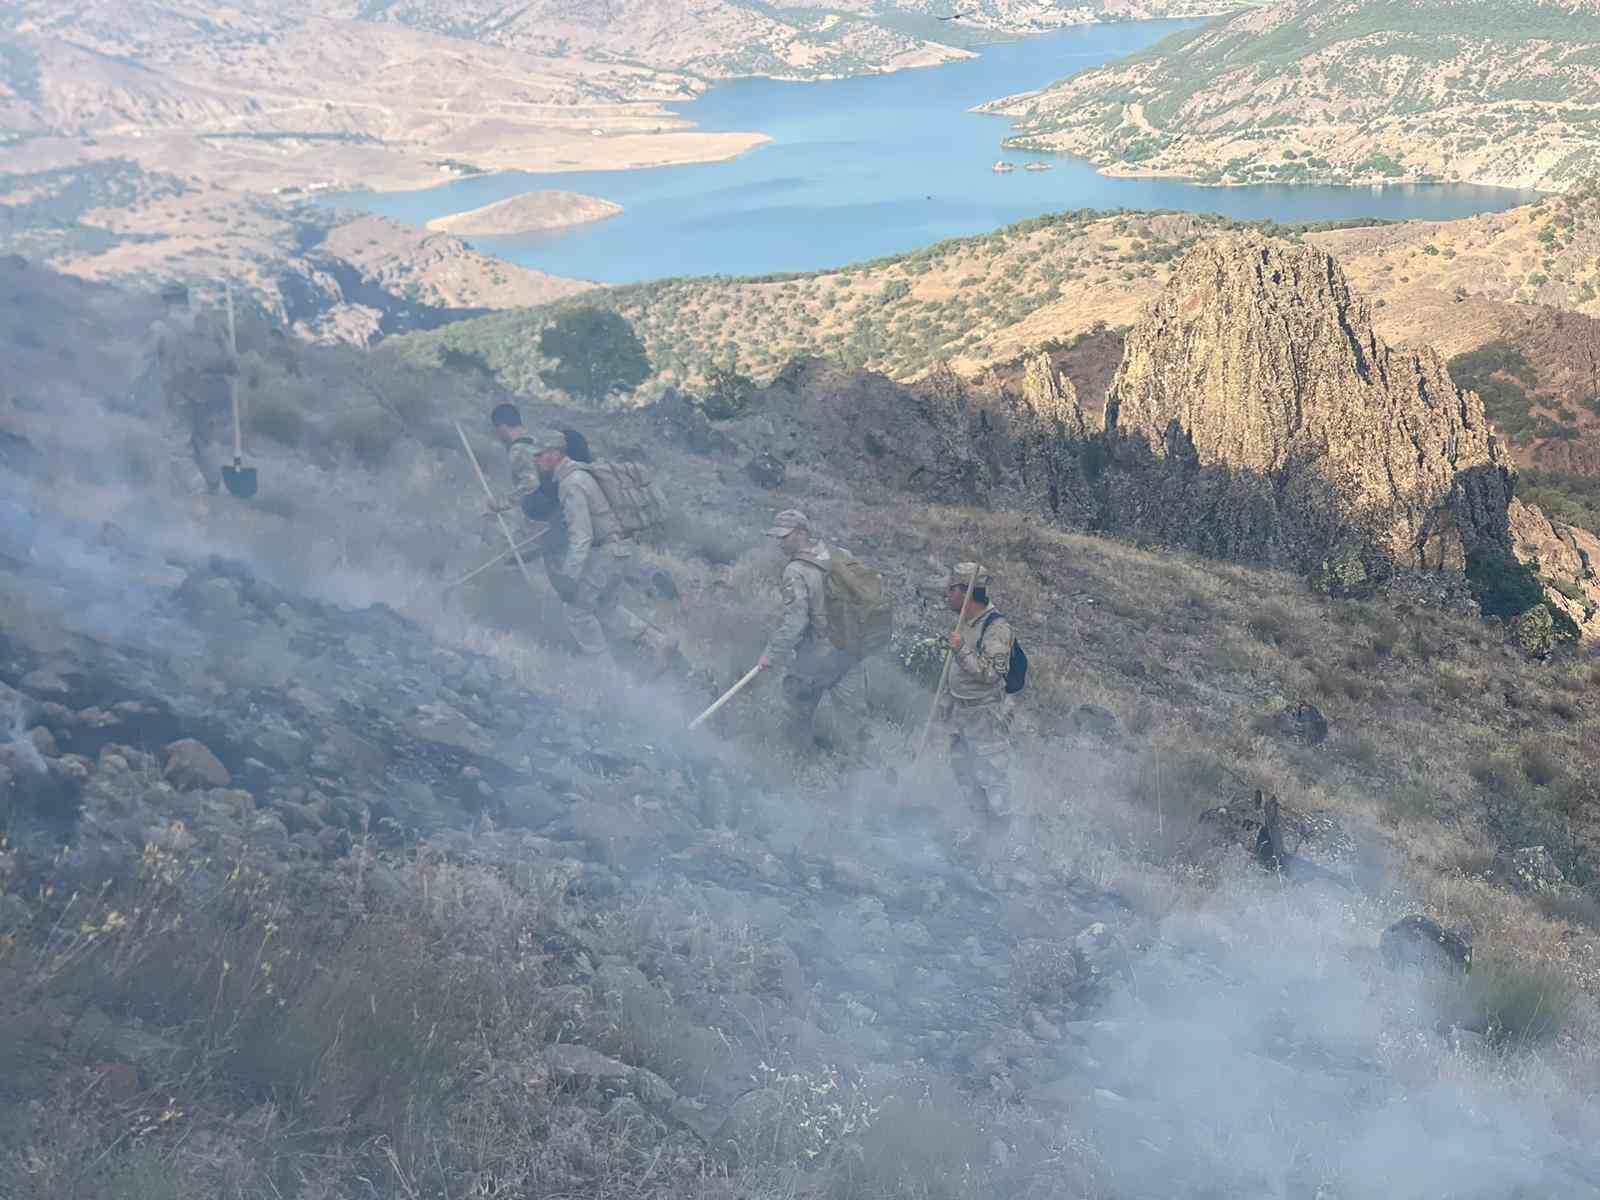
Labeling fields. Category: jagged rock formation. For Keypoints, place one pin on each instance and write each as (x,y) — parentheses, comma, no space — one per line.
(1046,425)
(1257,414)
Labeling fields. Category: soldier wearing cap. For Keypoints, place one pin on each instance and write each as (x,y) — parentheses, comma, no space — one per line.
(588,573)
(973,709)
(814,669)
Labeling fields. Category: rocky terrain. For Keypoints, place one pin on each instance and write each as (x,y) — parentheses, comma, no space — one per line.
(322,876)
(1355,92)
(526,213)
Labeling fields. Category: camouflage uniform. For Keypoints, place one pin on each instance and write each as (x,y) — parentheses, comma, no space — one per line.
(975,711)
(594,559)
(816,671)
(185,384)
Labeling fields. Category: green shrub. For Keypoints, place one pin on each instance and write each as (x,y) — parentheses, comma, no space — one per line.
(1513,1004)
(1502,586)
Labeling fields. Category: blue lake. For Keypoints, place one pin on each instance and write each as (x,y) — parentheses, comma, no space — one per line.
(876,165)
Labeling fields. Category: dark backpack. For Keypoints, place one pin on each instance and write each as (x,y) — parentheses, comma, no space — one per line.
(1017,671)
(544,503)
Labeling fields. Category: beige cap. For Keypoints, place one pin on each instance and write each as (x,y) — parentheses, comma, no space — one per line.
(549,439)
(787,522)
(961,574)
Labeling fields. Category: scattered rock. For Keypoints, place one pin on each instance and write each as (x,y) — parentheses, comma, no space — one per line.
(1530,869)
(1095,721)
(98,1035)
(583,1067)
(1302,722)
(1348,572)
(190,765)
(1421,942)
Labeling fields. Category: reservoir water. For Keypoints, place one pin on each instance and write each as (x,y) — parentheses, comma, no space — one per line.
(877,165)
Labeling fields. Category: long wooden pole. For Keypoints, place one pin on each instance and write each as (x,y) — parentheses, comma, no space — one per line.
(727,695)
(498,558)
(949,654)
(233,379)
(498,516)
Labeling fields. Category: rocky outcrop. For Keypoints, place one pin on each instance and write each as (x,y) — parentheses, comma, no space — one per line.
(1257,414)
(1563,557)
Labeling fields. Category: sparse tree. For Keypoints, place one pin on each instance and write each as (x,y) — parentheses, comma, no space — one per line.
(596,353)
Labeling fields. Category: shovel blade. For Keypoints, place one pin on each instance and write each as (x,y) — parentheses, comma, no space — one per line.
(240,481)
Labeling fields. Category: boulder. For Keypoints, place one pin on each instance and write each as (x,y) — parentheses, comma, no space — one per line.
(1301,722)
(1422,943)
(190,765)
(1095,721)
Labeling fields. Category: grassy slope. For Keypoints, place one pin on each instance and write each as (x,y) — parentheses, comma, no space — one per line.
(1469,89)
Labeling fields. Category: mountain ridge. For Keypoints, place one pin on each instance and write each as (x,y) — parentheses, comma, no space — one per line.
(1362,91)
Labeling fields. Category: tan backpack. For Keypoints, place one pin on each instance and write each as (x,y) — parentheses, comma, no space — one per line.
(860,617)
(635,501)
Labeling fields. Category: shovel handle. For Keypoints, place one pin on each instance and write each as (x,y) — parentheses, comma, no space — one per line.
(726,696)
(233,380)
(516,551)
(948,655)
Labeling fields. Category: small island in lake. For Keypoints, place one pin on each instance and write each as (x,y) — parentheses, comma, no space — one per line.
(530,212)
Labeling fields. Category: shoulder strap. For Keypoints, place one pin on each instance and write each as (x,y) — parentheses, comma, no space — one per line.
(994,615)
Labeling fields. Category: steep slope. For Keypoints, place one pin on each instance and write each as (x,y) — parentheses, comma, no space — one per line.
(1355,91)
(299,839)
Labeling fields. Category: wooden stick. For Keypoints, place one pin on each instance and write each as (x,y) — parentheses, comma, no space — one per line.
(498,558)
(948,655)
(233,380)
(498,516)
(727,695)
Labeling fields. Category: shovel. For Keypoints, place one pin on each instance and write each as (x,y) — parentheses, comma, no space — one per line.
(239,480)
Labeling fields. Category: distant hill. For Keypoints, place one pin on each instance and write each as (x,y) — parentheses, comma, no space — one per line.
(1502,92)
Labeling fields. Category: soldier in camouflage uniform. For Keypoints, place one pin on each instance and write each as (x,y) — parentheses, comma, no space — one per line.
(814,669)
(185,385)
(588,573)
(974,709)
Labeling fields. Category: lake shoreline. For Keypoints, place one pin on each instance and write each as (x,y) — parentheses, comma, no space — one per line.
(746,140)
(874,166)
